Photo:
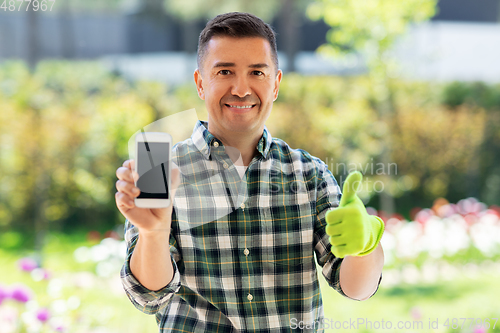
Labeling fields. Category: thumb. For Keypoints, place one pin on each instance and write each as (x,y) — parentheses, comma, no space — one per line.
(351,186)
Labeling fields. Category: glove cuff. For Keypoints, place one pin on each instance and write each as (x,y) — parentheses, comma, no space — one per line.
(378,228)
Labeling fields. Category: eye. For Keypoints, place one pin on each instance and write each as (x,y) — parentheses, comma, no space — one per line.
(224,72)
(258,73)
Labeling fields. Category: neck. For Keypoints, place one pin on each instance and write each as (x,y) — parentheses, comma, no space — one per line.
(240,146)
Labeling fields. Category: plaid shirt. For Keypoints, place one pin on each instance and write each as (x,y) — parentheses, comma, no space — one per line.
(243,248)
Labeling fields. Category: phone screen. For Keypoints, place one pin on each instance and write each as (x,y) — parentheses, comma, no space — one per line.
(152,167)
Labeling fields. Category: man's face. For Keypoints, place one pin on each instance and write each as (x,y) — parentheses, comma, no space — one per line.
(239,83)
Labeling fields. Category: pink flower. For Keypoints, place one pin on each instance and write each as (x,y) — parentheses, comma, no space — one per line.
(46,274)
(43,315)
(27,264)
(416,313)
(21,293)
(60,328)
(479,330)
(423,215)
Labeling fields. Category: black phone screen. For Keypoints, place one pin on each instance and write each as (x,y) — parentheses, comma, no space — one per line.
(153,169)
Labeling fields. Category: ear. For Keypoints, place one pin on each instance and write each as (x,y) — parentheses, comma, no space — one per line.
(199,84)
(277,82)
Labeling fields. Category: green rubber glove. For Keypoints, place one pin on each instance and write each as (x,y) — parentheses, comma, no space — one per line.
(352,231)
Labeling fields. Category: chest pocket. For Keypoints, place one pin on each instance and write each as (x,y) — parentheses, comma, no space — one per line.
(287,240)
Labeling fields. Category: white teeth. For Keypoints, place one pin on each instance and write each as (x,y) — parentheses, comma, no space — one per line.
(241,107)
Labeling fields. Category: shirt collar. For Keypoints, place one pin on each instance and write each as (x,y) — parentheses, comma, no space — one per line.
(203,140)
(264,145)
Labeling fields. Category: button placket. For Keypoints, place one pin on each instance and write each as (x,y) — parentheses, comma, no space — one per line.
(267,240)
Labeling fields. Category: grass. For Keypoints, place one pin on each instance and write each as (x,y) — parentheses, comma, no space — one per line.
(461,296)
(104,305)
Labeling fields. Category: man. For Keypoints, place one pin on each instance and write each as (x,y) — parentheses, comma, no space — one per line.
(237,252)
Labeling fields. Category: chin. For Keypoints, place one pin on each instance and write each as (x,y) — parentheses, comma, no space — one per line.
(243,126)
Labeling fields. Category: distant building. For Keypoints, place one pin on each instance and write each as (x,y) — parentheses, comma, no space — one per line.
(461,42)
(468,11)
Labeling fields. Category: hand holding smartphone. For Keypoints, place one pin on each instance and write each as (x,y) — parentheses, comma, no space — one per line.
(147,218)
(153,156)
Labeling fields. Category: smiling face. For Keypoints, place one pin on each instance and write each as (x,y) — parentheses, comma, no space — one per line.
(239,83)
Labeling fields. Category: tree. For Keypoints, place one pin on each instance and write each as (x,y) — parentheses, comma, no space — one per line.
(64,130)
(371,27)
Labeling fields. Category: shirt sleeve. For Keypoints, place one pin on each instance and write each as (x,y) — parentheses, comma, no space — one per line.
(144,299)
(328,197)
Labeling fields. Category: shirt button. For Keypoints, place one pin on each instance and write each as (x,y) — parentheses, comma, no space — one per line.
(216,144)
(225,165)
(250,297)
(242,206)
(246,252)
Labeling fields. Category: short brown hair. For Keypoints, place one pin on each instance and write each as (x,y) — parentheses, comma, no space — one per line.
(237,24)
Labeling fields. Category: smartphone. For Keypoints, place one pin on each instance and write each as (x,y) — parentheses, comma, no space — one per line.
(153,156)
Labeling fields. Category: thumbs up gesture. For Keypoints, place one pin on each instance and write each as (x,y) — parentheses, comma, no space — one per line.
(352,231)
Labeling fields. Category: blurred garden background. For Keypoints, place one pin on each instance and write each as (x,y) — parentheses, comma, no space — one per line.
(407,92)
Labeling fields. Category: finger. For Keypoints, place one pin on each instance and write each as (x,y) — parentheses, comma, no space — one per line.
(125,174)
(333,230)
(126,164)
(351,186)
(338,251)
(124,201)
(129,164)
(343,221)
(335,216)
(337,241)
(127,188)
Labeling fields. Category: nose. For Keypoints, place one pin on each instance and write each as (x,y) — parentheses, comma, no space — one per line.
(241,87)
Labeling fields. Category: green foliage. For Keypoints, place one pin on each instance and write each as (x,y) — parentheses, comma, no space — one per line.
(65,130)
(370,25)
(433,146)
(370,28)
(11,240)
(476,94)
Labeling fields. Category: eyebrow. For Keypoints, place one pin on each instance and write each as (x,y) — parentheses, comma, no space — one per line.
(232,64)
